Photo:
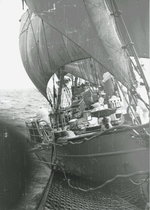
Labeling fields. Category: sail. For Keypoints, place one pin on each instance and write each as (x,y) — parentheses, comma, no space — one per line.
(29,55)
(44,52)
(87,69)
(74,23)
(134,12)
(75,33)
(136,17)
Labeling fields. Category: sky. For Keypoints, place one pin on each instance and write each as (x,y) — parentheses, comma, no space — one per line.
(13,74)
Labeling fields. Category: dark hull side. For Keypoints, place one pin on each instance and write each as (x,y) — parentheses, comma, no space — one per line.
(120,151)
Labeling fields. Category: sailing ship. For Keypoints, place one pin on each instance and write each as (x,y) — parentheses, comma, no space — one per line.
(61,36)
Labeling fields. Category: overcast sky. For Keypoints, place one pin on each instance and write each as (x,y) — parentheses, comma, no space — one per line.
(12,71)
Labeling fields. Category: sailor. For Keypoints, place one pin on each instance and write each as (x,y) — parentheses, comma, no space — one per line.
(108,85)
(106,123)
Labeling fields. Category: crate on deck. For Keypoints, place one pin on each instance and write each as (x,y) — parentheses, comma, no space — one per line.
(39,131)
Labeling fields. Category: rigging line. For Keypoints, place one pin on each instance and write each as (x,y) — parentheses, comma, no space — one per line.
(65,44)
(49,61)
(23,30)
(96,73)
(129,105)
(50,97)
(122,39)
(118,30)
(133,51)
(137,70)
(37,48)
(41,204)
(116,23)
(125,82)
(140,98)
(46,45)
(147,87)
(108,44)
(27,58)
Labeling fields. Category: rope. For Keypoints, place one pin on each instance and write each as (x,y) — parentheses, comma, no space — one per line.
(139,183)
(46,44)
(43,199)
(140,98)
(129,105)
(106,182)
(23,28)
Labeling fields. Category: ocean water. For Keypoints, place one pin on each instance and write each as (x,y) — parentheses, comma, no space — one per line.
(17,106)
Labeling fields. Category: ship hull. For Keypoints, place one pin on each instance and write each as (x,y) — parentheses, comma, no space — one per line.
(116,160)
(117,152)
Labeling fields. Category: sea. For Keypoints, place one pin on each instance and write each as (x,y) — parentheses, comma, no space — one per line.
(19,105)
(16,107)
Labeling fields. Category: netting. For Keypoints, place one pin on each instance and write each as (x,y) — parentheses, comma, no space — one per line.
(61,196)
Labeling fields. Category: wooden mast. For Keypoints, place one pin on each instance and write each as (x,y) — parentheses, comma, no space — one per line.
(132,48)
(58,112)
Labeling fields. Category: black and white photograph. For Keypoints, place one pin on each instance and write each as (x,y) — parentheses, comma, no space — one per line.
(75,105)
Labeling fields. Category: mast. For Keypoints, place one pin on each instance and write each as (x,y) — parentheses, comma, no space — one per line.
(138,65)
(131,44)
(60,90)
(59,116)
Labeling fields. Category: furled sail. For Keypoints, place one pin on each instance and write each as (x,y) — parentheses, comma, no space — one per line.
(74,30)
